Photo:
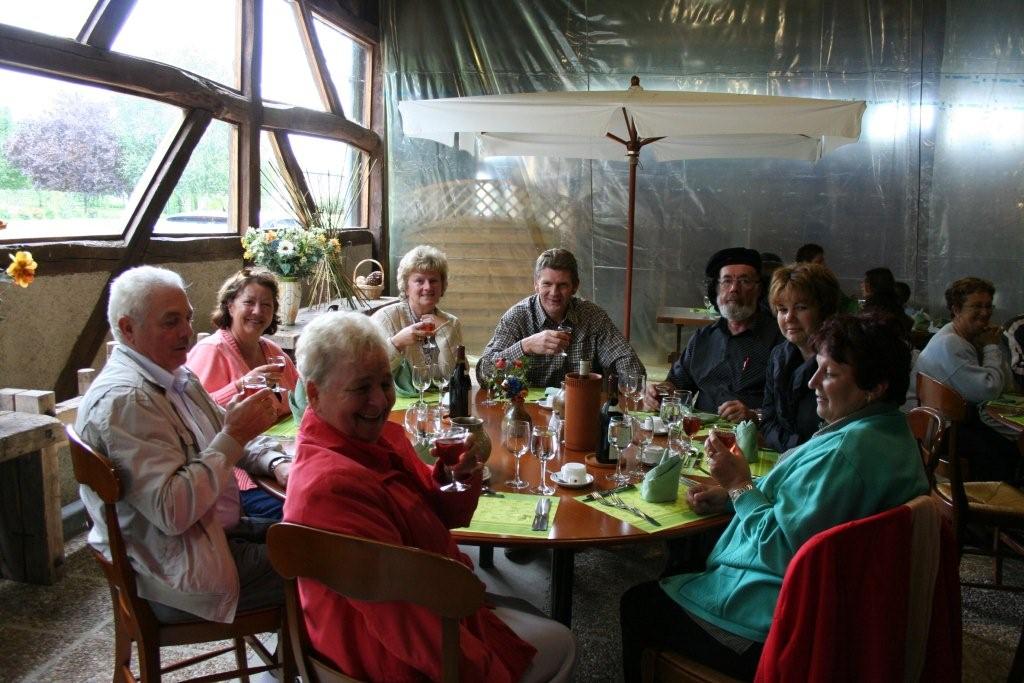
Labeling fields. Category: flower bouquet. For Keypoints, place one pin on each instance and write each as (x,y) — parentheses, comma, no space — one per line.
(289,252)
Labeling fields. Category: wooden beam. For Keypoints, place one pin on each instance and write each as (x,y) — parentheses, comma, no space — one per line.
(376,214)
(361,30)
(69,258)
(289,164)
(104,23)
(319,124)
(62,58)
(154,197)
(246,151)
(316,59)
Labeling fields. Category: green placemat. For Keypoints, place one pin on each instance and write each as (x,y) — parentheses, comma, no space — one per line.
(1019,419)
(1008,401)
(285,429)
(766,460)
(674,514)
(403,403)
(510,515)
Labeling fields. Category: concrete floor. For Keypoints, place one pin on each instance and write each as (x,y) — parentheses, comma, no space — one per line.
(63,632)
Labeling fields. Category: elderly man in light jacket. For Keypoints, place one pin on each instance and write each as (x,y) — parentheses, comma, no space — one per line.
(174,449)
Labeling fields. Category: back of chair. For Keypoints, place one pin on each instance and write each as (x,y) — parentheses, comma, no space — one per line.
(951,405)
(97,472)
(371,571)
(929,428)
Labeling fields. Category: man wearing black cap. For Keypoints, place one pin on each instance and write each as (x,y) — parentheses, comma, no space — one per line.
(726,361)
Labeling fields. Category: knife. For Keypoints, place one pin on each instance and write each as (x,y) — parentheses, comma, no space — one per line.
(591,497)
(540,517)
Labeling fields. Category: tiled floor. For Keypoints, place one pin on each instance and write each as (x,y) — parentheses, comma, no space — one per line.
(63,633)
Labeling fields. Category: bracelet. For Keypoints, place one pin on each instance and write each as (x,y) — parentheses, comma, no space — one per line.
(277,461)
(735,493)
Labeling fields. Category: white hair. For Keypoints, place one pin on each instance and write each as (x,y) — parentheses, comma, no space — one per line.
(130,293)
(334,338)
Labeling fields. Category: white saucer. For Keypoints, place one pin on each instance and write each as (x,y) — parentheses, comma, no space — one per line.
(558,480)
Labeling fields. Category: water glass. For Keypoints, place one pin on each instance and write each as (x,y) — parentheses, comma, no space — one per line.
(544,447)
(620,434)
(671,411)
(516,438)
(422,376)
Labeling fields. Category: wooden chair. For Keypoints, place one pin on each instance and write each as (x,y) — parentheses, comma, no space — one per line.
(929,429)
(995,504)
(367,570)
(134,621)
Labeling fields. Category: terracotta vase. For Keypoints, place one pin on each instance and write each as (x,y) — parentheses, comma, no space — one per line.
(289,294)
(582,410)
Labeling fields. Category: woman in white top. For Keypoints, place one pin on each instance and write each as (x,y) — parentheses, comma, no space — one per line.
(965,355)
(422,281)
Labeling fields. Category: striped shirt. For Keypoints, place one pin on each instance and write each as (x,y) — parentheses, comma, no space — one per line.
(594,338)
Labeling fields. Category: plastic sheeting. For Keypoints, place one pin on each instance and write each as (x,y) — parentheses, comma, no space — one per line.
(934,189)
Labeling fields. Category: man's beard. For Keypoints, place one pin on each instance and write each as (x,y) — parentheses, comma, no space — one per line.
(736,313)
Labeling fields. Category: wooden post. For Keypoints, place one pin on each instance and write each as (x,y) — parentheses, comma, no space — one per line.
(85,378)
(31,535)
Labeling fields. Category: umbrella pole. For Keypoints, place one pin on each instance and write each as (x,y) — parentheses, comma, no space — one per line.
(633,160)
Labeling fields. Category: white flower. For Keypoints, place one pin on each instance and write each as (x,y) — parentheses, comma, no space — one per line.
(285,248)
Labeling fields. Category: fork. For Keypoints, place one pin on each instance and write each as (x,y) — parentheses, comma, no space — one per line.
(623,505)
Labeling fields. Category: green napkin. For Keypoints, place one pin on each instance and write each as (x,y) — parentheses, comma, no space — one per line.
(661,484)
(746,439)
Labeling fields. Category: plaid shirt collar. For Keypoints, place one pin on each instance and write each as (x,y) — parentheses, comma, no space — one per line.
(544,321)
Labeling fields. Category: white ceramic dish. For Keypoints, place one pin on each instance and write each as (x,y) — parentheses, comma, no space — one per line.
(558,480)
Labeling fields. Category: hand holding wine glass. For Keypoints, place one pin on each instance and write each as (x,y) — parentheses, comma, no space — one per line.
(450,446)
(566,327)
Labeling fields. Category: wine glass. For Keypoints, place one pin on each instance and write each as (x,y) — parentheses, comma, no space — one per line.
(645,436)
(620,434)
(450,446)
(631,386)
(517,442)
(671,410)
(565,326)
(429,345)
(252,384)
(542,443)
(490,379)
(441,381)
(421,378)
(414,421)
(279,364)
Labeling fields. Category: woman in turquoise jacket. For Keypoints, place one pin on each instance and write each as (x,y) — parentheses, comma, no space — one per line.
(863,461)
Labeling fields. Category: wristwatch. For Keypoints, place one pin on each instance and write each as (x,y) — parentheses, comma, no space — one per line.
(283,459)
(735,493)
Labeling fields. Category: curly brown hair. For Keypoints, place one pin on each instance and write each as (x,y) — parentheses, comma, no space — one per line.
(221,318)
(810,279)
(958,292)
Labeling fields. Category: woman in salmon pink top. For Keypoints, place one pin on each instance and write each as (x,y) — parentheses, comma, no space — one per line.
(246,310)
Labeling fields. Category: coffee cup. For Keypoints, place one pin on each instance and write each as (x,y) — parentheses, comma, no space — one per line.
(573,473)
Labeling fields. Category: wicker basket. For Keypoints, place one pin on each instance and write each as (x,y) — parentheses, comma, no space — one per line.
(369,291)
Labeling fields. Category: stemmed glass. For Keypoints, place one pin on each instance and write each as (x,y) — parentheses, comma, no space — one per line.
(450,446)
(631,386)
(517,442)
(441,380)
(644,433)
(423,422)
(620,434)
(671,411)
(542,443)
(429,346)
(422,376)
(279,364)
(489,375)
(565,326)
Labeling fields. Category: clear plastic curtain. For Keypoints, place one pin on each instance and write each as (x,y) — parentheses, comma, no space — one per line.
(933,190)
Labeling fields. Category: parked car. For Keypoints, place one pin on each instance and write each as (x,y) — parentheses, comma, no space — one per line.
(193,222)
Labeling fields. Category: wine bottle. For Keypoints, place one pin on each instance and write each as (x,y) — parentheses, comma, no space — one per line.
(608,410)
(459,386)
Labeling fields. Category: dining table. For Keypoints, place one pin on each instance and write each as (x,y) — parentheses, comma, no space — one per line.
(503,516)
(287,336)
(1007,409)
(684,316)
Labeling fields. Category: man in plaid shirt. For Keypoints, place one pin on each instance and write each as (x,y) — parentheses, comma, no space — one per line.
(531,327)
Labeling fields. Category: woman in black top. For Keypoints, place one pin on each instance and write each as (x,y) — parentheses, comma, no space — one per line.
(802,296)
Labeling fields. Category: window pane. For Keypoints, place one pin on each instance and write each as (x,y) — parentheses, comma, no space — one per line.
(202,199)
(63,18)
(197,35)
(329,168)
(70,155)
(286,73)
(348,64)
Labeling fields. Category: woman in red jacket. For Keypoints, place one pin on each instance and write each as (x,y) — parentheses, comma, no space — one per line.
(356,473)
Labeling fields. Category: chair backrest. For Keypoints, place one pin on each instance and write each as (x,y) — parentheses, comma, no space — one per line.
(929,428)
(888,613)
(951,405)
(371,571)
(95,470)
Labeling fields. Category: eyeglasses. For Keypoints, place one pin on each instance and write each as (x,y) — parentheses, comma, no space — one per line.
(744,282)
(979,307)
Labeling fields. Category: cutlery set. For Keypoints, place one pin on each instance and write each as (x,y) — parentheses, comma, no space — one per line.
(540,517)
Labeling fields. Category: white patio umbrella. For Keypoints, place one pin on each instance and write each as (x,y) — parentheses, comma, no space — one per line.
(598,125)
